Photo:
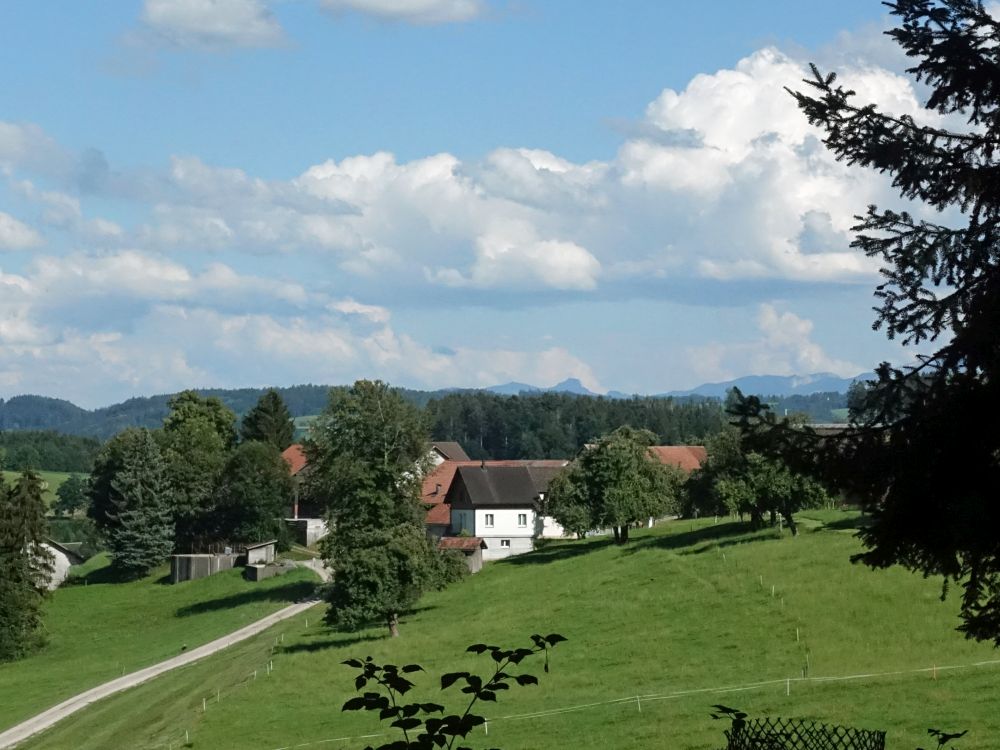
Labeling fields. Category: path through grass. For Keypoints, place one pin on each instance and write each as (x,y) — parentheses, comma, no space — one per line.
(99,630)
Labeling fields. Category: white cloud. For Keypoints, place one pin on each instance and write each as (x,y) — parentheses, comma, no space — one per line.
(374,313)
(16,235)
(411,11)
(213,23)
(784,347)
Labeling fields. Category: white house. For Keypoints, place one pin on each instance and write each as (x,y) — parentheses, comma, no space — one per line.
(498,503)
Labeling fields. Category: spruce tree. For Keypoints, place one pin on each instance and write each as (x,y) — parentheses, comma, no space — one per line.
(141,534)
(25,565)
(269,422)
(917,453)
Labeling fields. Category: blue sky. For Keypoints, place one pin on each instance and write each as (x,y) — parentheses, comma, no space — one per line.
(435,192)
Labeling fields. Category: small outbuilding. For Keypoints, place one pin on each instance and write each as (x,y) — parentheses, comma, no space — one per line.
(470,546)
(262,553)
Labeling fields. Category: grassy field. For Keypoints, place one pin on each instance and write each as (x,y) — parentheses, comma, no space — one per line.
(99,629)
(683,616)
(52,480)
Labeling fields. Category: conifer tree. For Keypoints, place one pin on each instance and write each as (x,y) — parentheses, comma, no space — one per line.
(25,565)
(141,534)
(269,422)
(917,453)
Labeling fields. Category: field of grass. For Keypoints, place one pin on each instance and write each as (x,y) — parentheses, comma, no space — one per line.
(52,480)
(684,616)
(99,629)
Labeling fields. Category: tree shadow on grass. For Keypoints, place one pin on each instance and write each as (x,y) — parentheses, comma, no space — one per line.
(290,593)
(848,524)
(563,550)
(329,642)
(697,541)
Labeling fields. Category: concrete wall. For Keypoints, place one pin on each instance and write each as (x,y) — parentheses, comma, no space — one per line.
(263,572)
(307,531)
(260,555)
(193,567)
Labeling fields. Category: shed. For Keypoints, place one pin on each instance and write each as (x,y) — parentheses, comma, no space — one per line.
(470,546)
(261,553)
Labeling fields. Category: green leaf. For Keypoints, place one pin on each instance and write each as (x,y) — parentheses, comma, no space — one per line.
(449,679)
(354,704)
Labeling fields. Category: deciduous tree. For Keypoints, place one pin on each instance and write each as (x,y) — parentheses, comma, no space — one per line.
(72,495)
(614,483)
(253,496)
(366,456)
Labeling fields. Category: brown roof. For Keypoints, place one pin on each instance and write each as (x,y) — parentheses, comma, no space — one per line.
(685,457)
(451,450)
(295,457)
(464,543)
(510,483)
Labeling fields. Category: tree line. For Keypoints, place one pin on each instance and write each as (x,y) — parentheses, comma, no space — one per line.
(47,451)
(558,425)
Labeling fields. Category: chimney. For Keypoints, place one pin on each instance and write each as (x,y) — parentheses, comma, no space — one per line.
(437,489)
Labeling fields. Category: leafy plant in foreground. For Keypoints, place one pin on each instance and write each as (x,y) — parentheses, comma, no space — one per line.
(421,729)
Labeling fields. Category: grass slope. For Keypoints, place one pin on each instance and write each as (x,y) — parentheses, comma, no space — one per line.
(681,609)
(51,479)
(97,630)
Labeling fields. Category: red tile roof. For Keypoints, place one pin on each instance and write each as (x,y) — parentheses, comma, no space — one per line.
(295,457)
(685,457)
(465,543)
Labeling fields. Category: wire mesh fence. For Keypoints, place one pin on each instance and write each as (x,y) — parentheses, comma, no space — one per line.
(798,734)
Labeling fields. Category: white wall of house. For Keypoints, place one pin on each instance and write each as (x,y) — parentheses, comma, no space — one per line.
(498,547)
(505,522)
(550,529)
(60,567)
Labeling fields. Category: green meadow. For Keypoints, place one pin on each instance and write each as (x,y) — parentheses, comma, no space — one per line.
(98,629)
(51,479)
(682,618)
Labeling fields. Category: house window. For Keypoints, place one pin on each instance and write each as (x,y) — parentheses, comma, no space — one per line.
(489,520)
(505,544)
(522,519)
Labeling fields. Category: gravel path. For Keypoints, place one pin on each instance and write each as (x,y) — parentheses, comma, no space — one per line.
(24,730)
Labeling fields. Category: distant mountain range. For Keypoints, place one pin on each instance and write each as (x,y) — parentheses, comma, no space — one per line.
(43,413)
(759,385)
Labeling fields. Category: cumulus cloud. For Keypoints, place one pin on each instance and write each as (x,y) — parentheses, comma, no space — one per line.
(212,24)
(722,182)
(784,347)
(411,11)
(16,235)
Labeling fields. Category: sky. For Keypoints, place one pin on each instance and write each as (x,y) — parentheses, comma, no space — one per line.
(437,193)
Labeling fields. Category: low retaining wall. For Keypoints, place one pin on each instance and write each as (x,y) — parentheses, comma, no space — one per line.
(193,567)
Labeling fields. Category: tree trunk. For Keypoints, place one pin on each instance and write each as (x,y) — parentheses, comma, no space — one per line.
(624,534)
(394,624)
(618,539)
(790,520)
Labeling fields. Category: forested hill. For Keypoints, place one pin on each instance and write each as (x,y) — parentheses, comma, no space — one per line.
(531,424)
(43,413)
